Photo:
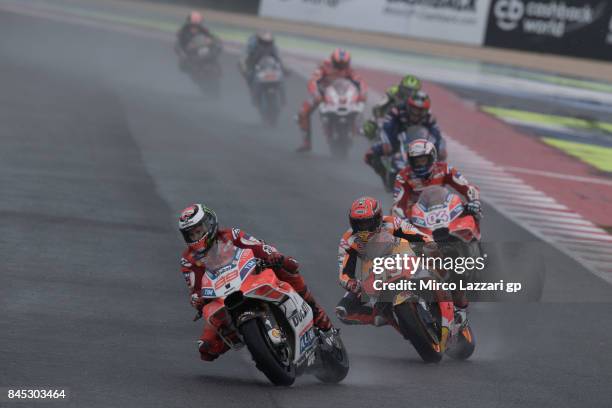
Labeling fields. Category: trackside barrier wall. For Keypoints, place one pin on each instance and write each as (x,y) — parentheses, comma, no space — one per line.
(234,6)
(462,21)
(581,28)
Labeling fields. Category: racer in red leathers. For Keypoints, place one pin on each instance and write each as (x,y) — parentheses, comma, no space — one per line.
(366,221)
(423,171)
(337,66)
(199,227)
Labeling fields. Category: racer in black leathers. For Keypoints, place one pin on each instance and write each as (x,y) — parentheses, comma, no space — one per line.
(194,25)
(259,45)
(414,112)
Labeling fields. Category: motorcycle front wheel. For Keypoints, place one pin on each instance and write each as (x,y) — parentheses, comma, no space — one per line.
(335,362)
(279,369)
(464,346)
(414,330)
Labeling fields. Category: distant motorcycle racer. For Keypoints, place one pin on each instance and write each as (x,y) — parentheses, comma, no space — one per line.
(194,25)
(259,45)
(338,66)
(394,95)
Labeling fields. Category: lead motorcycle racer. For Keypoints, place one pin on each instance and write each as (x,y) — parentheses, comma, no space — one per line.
(200,229)
(337,66)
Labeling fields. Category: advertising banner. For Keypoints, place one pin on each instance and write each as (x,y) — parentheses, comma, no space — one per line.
(462,21)
(581,28)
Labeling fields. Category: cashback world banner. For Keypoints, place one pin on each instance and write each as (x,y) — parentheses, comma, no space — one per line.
(462,21)
(581,28)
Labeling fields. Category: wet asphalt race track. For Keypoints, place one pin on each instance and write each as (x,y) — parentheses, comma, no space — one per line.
(103,141)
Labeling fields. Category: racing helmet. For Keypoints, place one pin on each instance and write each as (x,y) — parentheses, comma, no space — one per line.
(365,217)
(199,226)
(408,85)
(418,105)
(340,59)
(195,17)
(265,38)
(422,157)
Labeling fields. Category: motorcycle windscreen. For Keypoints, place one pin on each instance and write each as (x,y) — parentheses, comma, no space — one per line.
(222,257)
(434,197)
(413,133)
(371,268)
(199,41)
(267,63)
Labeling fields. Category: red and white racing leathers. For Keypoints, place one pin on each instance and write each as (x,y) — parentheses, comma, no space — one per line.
(321,79)
(408,186)
(193,269)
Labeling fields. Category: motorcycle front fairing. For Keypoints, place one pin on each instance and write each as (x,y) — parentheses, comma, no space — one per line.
(341,98)
(268,71)
(438,208)
(231,270)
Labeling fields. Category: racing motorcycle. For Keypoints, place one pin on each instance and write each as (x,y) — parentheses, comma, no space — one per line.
(250,306)
(268,88)
(422,316)
(201,61)
(340,111)
(397,161)
(439,212)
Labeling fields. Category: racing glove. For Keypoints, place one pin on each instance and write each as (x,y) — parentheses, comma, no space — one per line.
(275,260)
(473,207)
(278,260)
(369,129)
(197,302)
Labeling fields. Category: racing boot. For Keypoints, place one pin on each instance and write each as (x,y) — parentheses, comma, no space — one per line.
(350,310)
(289,272)
(306,145)
(321,320)
(303,121)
